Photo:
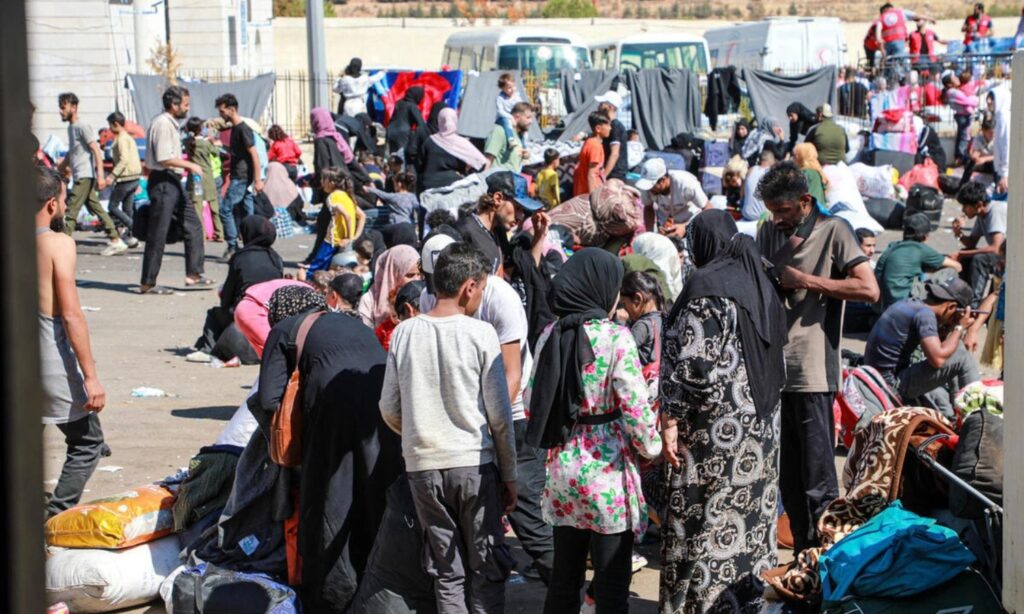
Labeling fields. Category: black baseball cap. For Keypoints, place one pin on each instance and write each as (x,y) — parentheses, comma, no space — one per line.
(953,289)
(916,226)
(513,187)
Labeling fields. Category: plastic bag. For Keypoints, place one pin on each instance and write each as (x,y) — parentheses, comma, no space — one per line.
(925,173)
(134,517)
(104,580)
(874,181)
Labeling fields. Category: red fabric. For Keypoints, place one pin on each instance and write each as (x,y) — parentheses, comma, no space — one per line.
(894,26)
(932,95)
(871,38)
(922,44)
(434,89)
(291,543)
(384,332)
(285,151)
(136,131)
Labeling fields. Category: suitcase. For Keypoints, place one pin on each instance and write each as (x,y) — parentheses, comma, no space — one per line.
(716,153)
(968,592)
(902,161)
(711,183)
(886,211)
(673,161)
(924,198)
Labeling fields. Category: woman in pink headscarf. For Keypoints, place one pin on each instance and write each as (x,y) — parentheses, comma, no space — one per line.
(395,268)
(446,156)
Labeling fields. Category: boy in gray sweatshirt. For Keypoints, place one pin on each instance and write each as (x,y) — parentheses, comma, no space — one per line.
(445,393)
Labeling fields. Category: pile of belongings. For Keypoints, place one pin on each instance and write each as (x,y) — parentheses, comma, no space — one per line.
(612,211)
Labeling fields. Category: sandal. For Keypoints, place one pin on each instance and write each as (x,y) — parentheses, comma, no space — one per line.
(158,290)
(202,281)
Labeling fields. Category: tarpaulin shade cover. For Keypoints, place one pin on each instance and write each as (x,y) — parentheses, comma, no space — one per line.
(770,93)
(148,90)
(580,86)
(579,120)
(479,111)
(437,86)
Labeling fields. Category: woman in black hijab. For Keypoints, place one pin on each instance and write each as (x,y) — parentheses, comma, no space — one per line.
(739,136)
(406,119)
(256,262)
(588,403)
(722,375)
(800,121)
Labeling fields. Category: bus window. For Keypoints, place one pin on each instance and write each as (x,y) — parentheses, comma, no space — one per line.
(541,58)
(665,55)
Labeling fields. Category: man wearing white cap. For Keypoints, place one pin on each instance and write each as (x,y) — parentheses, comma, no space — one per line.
(828,137)
(615,166)
(501,308)
(671,197)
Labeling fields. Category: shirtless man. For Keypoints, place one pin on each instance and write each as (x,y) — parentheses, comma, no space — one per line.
(74,395)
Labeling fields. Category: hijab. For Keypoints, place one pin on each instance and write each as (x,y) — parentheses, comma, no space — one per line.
(729,266)
(292,300)
(323,126)
(448,139)
(257,231)
(388,274)
(403,233)
(586,288)
(663,253)
(434,119)
(756,140)
(354,68)
(278,187)
(806,156)
(805,118)
(736,142)
(414,95)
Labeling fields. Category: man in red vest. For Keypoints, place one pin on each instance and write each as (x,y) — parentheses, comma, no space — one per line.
(922,42)
(871,44)
(977,26)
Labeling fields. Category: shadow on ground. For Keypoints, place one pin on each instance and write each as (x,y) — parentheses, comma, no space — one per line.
(223,412)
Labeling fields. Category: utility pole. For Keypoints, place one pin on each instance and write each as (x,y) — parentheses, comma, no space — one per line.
(319,95)
(140,50)
(167,22)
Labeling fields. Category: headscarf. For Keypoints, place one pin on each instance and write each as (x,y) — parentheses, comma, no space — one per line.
(403,233)
(805,118)
(636,263)
(729,266)
(354,68)
(756,140)
(585,289)
(414,95)
(806,156)
(257,231)
(323,126)
(434,119)
(278,187)
(735,142)
(448,139)
(663,253)
(292,300)
(391,268)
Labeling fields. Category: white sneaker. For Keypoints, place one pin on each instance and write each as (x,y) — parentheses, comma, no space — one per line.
(116,247)
(132,242)
(198,356)
(639,562)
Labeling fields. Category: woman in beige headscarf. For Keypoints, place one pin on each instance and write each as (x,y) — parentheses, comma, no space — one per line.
(806,156)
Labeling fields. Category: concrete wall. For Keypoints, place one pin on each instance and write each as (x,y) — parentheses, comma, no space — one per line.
(199,30)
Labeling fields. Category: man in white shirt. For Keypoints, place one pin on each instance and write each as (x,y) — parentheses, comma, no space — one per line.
(672,197)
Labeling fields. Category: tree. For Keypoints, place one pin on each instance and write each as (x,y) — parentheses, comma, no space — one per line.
(792,9)
(164,60)
(433,11)
(297,8)
(627,13)
(573,9)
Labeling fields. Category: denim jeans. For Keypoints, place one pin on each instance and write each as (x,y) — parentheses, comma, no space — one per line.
(122,203)
(237,198)
(84,439)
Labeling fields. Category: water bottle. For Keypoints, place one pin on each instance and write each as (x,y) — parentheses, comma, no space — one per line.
(197,185)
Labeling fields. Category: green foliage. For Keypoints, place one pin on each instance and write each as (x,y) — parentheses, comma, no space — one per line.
(627,13)
(792,9)
(297,8)
(573,9)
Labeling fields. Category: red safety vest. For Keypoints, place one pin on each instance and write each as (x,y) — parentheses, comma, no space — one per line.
(922,44)
(894,28)
(871,39)
(981,26)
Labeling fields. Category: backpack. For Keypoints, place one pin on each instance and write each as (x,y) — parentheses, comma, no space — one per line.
(864,395)
(286,429)
(924,198)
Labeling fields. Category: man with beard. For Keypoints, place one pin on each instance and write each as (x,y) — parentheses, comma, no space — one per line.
(499,211)
(74,395)
(167,202)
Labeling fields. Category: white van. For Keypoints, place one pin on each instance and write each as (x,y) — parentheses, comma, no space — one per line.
(533,49)
(653,50)
(790,44)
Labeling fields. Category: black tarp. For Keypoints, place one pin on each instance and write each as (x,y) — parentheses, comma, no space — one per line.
(665,103)
(147,95)
(578,121)
(770,93)
(479,111)
(580,86)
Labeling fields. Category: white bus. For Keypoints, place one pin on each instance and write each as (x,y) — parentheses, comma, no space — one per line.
(780,43)
(653,50)
(533,49)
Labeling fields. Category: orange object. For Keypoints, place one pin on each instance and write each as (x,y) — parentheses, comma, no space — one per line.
(286,428)
(135,517)
(291,543)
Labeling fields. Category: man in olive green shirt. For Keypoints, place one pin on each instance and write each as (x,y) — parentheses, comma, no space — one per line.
(828,137)
(508,154)
(125,176)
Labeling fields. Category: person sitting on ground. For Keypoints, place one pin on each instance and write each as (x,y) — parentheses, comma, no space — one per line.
(74,396)
(767,135)
(395,268)
(439,218)
(868,242)
(740,132)
(990,224)
(589,173)
(904,262)
(508,153)
(671,198)
(806,157)
(256,262)
(828,137)
(347,219)
(982,150)
(800,121)
(635,150)
(395,166)
(285,150)
(445,393)
(548,188)
(910,323)
(402,203)
(733,176)
(343,294)
(753,207)
(280,192)
(447,156)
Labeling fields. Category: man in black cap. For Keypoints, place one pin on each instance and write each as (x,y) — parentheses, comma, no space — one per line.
(910,323)
(506,204)
(905,261)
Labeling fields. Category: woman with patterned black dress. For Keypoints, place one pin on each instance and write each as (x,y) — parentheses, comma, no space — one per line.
(722,374)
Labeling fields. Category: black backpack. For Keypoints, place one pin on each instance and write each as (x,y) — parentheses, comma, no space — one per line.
(924,198)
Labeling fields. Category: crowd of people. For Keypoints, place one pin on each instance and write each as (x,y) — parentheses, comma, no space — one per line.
(465,367)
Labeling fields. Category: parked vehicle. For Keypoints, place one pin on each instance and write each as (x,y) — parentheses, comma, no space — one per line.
(791,44)
(533,49)
(653,50)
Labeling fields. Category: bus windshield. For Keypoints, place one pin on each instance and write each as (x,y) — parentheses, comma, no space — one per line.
(540,58)
(665,55)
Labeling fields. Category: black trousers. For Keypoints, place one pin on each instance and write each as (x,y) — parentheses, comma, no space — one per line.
(807,467)
(167,205)
(612,557)
(977,269)
(122,203)
(527,519)
(84,439)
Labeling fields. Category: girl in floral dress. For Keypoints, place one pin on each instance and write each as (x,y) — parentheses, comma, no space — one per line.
(588,404)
